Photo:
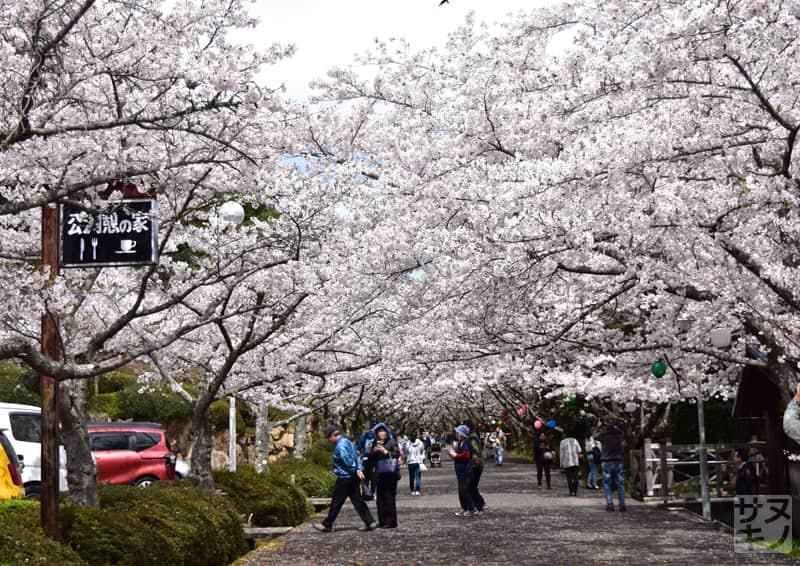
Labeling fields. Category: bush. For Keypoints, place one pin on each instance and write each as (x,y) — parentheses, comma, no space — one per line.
(116,381)
(314,480)
(22,540)
(141,403)
(271,501)
(321,453)
(219,415)
(167,523)
(11,388)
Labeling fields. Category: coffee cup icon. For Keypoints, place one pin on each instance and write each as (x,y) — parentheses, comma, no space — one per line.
(127,246)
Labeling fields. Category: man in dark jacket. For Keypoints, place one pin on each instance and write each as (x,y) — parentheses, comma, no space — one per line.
(610,438)
(746,481)
(477,468)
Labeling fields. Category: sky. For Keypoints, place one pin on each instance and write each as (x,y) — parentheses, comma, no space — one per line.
(329,33)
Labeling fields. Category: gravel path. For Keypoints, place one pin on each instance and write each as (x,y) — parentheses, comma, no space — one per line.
(524,525)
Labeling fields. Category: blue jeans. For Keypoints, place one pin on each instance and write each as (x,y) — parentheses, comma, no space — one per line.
(414,477)
(498,455)
(591,480)
(614,472)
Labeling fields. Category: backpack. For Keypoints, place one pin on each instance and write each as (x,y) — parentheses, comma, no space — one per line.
(475,446)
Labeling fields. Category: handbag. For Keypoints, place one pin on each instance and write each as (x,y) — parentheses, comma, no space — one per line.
(387,466)
(423,467)
(548,455)
(366,492)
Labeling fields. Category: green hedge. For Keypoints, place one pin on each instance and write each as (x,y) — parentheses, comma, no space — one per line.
(272,501)
(22,540)
(12,390)
(220,410)
(167,523)
(155,403)
(313,479)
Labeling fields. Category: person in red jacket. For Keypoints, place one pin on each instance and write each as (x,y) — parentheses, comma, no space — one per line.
(462,457)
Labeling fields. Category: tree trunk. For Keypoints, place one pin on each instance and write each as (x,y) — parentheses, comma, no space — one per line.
(81,469)
(202,441)
(263,430)
(300,438)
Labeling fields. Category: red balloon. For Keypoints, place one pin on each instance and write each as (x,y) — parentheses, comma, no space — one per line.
(537,425)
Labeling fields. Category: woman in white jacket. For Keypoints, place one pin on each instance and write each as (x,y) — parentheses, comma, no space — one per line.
(416,456)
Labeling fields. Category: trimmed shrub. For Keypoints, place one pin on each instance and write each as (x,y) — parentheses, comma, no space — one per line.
(167,523)
(141,403)
(116,381)
(314,480)
(271,501)
(22,540)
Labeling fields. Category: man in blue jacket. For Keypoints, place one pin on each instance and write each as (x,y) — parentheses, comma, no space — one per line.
(349,472)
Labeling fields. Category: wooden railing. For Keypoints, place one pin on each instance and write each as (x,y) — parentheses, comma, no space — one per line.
(669,472)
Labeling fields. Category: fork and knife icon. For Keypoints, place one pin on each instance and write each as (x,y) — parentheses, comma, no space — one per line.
(93,242)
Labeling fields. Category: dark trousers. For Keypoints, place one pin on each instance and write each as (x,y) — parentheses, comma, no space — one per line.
(386,498)
(477,498)
(543,466)
(464,492)
(344,488)
(572,479)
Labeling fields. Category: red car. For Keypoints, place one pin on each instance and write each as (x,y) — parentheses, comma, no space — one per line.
(131,453)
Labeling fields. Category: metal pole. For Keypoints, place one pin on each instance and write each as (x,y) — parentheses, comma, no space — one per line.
(704,494)
(51,348)
(232,434)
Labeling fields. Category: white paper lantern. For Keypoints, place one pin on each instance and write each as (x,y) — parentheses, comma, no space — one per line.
(231,212)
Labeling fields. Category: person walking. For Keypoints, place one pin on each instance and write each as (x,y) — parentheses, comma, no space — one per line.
(416,456)
(349,472)
(543,455)
(462,458)
(384,462)
(498,442)
(592,462)
(746,480)
(610,438)
(477,468)
(569,453)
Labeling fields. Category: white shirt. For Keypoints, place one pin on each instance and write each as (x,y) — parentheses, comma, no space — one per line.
(568,452)
(416,452)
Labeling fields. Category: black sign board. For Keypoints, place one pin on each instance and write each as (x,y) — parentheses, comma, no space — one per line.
(123,234)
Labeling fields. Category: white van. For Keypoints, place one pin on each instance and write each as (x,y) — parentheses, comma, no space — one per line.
(22,424)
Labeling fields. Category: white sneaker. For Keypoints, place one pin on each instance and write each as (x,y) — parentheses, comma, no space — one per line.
(417,493)
(463,513)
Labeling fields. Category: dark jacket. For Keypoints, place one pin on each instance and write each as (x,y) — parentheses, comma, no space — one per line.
(463,459)
(539,448)
(393,452)
(477,456)
(746,481)
(610,439)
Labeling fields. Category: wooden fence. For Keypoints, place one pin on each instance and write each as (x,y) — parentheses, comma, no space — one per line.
(671,472)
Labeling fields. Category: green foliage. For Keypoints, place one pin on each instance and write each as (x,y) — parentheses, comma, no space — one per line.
(116,381)
(313,479)
(156,403)
(321,452)
(11,388)
(167,523)
(720,427)
(219,415)
(272,501)
(22,540)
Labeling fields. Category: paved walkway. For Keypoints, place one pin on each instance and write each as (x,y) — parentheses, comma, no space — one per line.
(524,525)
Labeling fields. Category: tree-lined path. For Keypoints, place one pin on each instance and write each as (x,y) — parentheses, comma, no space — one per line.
(524,525)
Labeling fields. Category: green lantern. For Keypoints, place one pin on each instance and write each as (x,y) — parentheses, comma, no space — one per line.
(659,368)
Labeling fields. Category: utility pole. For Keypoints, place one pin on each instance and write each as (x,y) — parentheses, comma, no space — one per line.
(51,348)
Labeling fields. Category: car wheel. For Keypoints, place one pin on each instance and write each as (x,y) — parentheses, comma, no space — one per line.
(33,491)
(145,481)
